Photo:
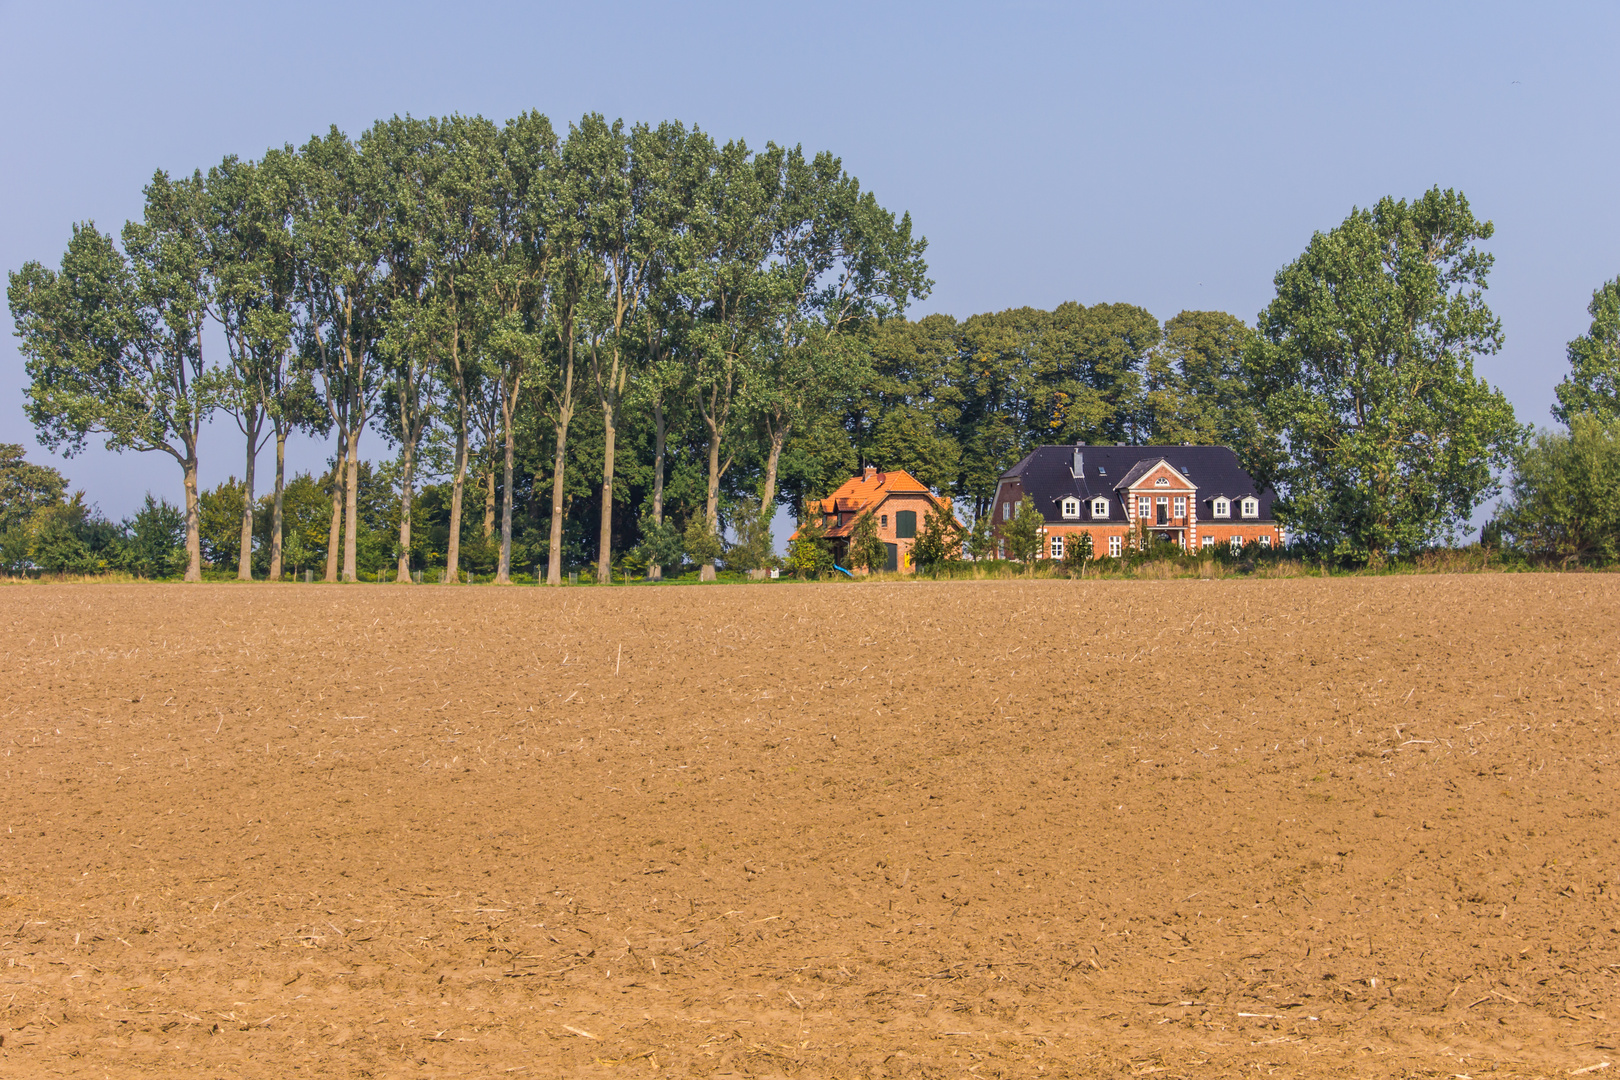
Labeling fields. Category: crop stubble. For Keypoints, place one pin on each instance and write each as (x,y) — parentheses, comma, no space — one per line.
(1314,828)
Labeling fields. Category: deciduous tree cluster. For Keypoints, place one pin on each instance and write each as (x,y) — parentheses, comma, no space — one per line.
(620,343)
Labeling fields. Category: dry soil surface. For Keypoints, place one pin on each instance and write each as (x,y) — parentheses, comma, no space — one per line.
(1240,828)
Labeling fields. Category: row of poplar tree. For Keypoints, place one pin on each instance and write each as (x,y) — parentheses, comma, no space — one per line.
(460,282)
(656,336)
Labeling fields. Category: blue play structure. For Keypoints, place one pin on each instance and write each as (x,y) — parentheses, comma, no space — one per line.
(841,570)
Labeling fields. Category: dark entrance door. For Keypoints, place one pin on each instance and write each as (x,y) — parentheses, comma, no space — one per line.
(891,561)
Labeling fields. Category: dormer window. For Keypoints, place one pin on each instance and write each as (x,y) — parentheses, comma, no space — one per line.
(1099,508)
(1071,507)
(1251,507)
(1221,508)
(1163,481)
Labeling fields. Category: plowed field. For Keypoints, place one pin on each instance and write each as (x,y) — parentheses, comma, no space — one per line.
(1292,828)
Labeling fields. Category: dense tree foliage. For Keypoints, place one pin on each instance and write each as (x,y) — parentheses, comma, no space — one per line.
(1565,500)
(627,342)
(1593,383)
(1384,439)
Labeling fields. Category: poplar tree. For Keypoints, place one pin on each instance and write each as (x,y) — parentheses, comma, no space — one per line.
(519,284)
(339,230)
(1593,383)
(409,159)
(113,340)
(1364,369)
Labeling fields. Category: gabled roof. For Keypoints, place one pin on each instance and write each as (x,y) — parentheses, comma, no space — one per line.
(1047,474)
(1145,466)
(866,491)
(871,488)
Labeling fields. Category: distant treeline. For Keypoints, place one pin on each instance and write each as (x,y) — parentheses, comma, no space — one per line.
(624,343)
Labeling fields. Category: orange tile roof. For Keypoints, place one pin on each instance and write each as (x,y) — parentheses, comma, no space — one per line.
(858,492)
(864,492)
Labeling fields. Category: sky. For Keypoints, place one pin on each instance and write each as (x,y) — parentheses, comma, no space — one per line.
(1169,155)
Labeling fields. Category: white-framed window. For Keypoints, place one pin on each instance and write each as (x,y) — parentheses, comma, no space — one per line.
(1164,510)
(1071,507)
(1265,540)
(1144,507)
(1237,544)
(1099,508)
(1181,506)
(884,521)
(1209,541)
(1113,547)
(1251,507)
(1163,481)
(1057,547)
(1006,511)
(1221,508)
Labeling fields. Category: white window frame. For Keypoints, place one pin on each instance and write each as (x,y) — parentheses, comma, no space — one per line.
(1265,540)
(1251,507)
(1221,507)
(1144,507)
(1099,508)
(1006,511)
(1071,507)
(1163,481)
(1113,547)
(1057,546)
(1237,545)
(1181,506)
(1209,541)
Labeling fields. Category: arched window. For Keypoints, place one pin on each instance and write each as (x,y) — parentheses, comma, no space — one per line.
(1163,481)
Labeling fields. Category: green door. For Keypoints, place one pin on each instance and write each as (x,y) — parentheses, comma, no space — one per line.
(891,561)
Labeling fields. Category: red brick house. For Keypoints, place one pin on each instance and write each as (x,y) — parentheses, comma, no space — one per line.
(899,501)
(1194,496)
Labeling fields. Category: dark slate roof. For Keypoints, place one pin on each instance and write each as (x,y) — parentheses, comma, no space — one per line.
(1046,475)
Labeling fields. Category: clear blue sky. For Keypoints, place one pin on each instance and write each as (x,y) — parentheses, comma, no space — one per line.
(1168,155)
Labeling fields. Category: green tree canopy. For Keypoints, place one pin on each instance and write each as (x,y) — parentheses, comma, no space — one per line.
(26,488)
(1593,383)
(1565,500)
(1364,372)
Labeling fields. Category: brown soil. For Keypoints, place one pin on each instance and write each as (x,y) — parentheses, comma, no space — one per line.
(1293,828)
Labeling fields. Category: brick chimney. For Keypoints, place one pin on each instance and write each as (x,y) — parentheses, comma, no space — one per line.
(871,471)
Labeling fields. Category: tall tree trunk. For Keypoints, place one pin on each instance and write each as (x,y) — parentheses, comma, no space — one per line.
(503,573)
(655,572)
(452,558)
(276,518)
(335,540)
(244,558)
(773,457)
(711,508)
(565,413)
(489,497)
(193,518)
(604,541)
(406,479)
(351,506)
